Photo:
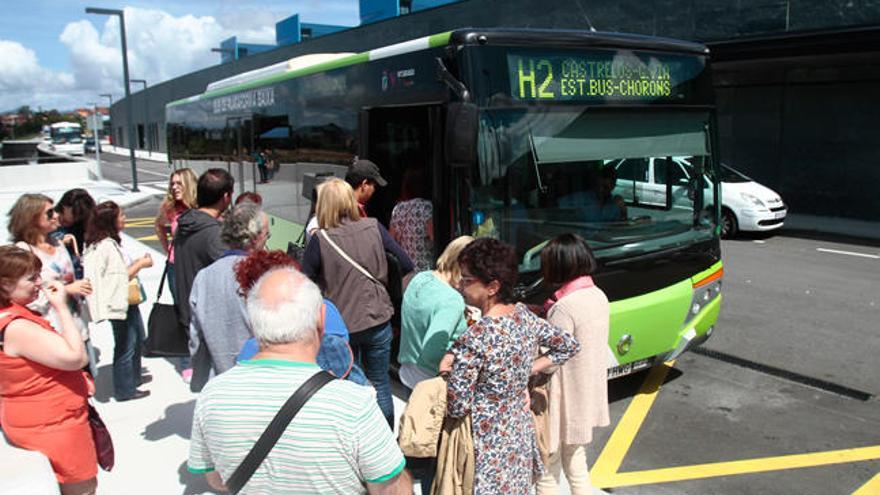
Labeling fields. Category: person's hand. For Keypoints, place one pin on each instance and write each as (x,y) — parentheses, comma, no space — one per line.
(528,405)
(70,240)
(146,260)
(80,287)
(445,366)
(55,293)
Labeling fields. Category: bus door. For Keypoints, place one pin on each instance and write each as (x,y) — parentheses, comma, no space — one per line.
(406,144)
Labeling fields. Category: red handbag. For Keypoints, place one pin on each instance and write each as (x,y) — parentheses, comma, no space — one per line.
(103,442)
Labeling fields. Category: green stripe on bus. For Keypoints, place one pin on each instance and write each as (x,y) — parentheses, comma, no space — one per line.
(441,39)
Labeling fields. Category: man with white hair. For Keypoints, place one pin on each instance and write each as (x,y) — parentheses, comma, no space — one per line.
(337,443)
(219,325)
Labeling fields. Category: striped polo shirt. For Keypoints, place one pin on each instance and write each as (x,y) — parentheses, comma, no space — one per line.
(336,442)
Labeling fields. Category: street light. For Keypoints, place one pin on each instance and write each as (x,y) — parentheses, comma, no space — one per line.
(128,109)
(146,118)
(108,96)
(97,124)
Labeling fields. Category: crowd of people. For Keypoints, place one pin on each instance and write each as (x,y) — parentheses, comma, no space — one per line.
(261,325)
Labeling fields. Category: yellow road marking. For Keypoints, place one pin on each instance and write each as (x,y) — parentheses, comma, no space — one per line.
(147,238)
(609,461)
(872,487)
(605,470)
(749,466)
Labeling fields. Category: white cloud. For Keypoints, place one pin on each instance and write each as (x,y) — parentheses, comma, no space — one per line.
(160,47)
(23,81)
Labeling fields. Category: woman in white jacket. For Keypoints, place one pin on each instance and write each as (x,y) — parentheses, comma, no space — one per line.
(110,269)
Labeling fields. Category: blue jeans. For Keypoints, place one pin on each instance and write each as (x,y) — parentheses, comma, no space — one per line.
(128,335)
(372,350)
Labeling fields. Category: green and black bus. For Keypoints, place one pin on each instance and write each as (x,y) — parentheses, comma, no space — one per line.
(523,134)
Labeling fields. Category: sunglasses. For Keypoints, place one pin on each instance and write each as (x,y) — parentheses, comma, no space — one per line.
(50,213)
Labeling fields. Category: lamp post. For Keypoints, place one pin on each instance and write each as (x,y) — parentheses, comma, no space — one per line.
(97,124)
(128,109)
(146,119)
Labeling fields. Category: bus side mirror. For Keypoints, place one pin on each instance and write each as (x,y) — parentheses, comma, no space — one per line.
(462,124)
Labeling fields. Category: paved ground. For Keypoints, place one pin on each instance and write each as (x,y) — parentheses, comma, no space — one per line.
(806,307)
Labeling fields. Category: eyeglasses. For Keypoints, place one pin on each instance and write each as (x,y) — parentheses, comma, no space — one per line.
(467,280)
(50,213)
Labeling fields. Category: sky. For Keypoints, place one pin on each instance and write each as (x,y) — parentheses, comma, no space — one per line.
(54,55)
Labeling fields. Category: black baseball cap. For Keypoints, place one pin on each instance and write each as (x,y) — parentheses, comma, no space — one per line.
(368,169)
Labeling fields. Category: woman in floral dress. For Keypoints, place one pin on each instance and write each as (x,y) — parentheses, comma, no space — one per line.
(492,362)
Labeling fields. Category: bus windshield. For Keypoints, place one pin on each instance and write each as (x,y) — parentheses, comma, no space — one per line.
(613,176)
(63,135)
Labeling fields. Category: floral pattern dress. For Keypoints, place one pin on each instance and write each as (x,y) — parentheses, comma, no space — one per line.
(493,361)
(409,221)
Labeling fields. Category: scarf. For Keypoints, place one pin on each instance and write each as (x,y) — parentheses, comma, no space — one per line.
(583,282)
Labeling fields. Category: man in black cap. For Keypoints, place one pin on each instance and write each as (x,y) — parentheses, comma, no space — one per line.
(363,176)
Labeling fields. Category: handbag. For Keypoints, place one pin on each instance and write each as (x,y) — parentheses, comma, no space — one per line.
(276,427)
(103,442)
(166,337)
(297,249)
(135,292)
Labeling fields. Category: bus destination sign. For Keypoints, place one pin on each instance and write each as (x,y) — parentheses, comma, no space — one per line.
(598,75)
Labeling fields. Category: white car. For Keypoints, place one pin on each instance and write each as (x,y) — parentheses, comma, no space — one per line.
(745,204)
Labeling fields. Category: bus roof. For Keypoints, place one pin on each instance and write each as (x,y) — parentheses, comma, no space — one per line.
(58,125)
(315,63)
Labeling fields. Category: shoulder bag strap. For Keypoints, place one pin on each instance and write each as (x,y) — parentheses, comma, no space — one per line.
(348,258)
(165,271)
(162,280)
(273,432)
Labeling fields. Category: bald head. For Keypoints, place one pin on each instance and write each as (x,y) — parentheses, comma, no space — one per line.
(285,307)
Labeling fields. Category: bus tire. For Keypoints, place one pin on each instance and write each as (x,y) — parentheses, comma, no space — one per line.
(729,225)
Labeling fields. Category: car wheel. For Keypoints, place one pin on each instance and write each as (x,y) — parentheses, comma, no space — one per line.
(729,226)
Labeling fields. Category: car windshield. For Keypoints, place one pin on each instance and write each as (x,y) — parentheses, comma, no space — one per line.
(727,174)
(614,177)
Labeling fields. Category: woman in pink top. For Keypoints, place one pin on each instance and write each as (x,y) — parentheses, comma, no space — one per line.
(579,389)
(181,196)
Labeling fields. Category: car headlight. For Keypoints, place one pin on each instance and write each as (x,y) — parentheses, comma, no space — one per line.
(752,199)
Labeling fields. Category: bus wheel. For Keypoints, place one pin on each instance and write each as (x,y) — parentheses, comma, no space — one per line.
(729,226)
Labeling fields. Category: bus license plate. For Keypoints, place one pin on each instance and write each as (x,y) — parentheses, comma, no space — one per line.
(629,368)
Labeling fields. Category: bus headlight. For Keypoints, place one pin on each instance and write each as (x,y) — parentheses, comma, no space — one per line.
(705,291)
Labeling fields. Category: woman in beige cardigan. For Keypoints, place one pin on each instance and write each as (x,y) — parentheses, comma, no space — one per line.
(578,390)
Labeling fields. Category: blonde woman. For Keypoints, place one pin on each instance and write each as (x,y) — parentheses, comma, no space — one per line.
(432,316)
(31,221)
(346,256)
(181,196)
